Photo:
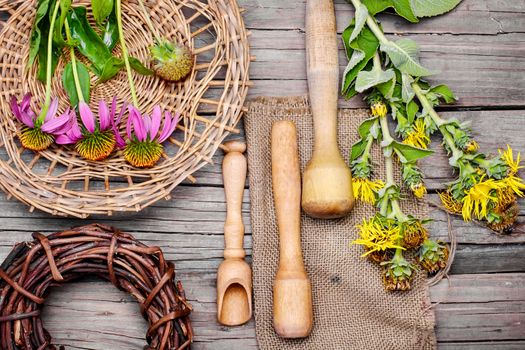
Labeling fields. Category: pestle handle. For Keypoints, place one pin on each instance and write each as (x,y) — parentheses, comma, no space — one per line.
(322,66)
(292,299)
(234,176)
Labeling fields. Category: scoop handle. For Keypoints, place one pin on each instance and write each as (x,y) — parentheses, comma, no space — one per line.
(234,176)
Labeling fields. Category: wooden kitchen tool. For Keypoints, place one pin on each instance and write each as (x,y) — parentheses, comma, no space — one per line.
(234,277)
(292,291)
(327,182)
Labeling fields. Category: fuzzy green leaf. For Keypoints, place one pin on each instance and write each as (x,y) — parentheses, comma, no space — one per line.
(367,79)
(361,14)
(366,43)
(412,109)
(404,55)
(407,93)
(429,8)
(68,81)
(403,9)
(101,9)
(366,125)
(357,149)
(445,92)
(408,154)
(376,6)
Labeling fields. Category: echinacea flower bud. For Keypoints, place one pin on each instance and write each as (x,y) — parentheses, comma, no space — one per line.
(171,61)
(397,273)
(433,256)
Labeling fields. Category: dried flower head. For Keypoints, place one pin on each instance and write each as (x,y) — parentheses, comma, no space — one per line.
(172,62)
(414,233)
(397,273)
(450,204)
(433,256)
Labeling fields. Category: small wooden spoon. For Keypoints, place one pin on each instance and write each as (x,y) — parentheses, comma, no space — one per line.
(234,277)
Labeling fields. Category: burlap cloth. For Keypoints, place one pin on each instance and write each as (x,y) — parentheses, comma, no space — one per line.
(351,308)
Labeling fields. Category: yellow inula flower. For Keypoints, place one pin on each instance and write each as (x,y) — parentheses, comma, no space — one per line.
(478,198)
(471,147)
(365,189)
(375,236)
(514,185)
(379,109)
(450,204)
(508,157)
(417,137)
(419,190)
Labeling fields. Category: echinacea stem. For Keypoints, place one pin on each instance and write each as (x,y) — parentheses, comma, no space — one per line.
(125,53)
(49,67)
(80,94)
(149,23)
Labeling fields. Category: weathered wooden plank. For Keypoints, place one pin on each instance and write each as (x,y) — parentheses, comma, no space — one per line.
(94,315)
(480,70)
(493,345)
(489,259)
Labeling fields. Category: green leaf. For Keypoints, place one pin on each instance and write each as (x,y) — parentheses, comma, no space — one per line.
(58,37)
(429,8)
(376,6)
(404,55)
(412,109)
(366,125)
(407,93)
(42,56)
(36,35)
(89,43)
(139,67)
(367,44)
(387,89)
(367,79)
(68,81)
(357,149)
(111,67)
(361,14)
(409,154)
(101,9)
(403,8)
(445,92)
(110,35)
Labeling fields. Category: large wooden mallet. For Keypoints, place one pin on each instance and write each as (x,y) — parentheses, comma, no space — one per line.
(292,291)
(327,180)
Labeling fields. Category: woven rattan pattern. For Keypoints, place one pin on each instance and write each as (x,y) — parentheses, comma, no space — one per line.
(142,271)
(211,101)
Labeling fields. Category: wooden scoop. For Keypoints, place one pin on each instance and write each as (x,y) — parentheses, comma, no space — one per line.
(234,277)
(292,291)
(327,182)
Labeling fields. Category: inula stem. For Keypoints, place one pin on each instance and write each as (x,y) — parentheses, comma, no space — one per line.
(80,94)
(125,53)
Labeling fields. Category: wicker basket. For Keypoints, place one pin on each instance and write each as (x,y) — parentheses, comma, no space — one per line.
(211,101)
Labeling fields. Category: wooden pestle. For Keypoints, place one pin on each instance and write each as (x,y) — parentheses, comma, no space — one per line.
(292,291)
(234,277)
(327,180)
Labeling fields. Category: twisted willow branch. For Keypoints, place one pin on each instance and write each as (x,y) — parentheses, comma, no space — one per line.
(142,271)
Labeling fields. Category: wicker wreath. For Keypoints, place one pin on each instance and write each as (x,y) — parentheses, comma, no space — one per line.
(211,101)
(33,267)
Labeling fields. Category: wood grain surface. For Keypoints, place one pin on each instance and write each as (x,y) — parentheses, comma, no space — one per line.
(479,50)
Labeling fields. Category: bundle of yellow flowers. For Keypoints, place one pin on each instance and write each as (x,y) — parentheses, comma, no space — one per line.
(390,233)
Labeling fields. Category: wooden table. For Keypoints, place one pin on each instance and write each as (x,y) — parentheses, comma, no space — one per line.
(479,49)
